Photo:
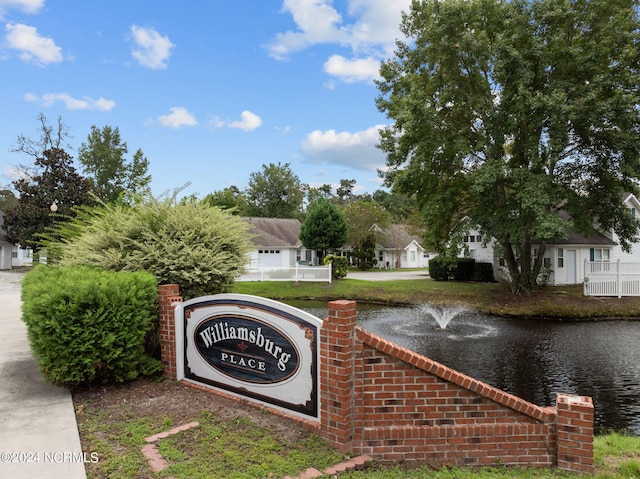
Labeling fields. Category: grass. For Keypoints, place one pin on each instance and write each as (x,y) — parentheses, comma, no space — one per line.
(565,302)
(231,447)
(237,448)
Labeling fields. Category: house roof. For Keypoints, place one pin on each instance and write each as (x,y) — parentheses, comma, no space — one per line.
(395,236)
(277,232)
(594,239)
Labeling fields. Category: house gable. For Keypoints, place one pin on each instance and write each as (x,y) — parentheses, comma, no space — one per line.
(274,232)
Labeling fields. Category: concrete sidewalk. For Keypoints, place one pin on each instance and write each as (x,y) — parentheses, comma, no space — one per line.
(38,430)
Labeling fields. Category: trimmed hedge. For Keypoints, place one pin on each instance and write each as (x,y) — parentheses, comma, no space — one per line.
(88,326)
(483,272)
(464,269)
(460,269)
(440,268)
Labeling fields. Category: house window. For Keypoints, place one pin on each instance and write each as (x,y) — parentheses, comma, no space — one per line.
(412,256)
(600,255)
(466,239)
(546,262)
(472,239)
(560,258)
(479,239)
(298,256)
(380,255)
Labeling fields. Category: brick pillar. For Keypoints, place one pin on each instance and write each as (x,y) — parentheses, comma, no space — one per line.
(336,374)
(575,433)
(168,297)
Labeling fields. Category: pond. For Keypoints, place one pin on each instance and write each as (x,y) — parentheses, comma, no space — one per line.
(533,359)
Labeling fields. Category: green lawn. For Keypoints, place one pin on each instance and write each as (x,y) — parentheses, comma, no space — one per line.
(491,298)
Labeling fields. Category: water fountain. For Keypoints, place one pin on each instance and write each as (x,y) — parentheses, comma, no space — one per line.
(442,314)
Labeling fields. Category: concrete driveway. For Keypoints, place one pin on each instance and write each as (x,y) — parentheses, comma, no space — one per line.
(388,275)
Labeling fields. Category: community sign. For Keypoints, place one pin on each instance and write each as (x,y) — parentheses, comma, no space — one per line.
(253,347)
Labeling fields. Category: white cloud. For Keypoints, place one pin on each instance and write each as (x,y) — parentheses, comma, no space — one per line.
(371,33)
(317,21)
(152,50)
(178,117)
(26,6)
(354,150)
(84,103)
(33,48)
(249,121)
(351,71)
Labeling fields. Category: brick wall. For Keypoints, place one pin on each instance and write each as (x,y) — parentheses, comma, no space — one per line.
(380,399)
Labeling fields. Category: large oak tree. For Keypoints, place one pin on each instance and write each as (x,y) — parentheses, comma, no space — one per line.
(505,113)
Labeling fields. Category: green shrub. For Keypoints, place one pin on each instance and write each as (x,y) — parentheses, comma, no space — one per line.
(88,326)
(464,269)
(440,268)
(483,272)
(339,265)
(190,243)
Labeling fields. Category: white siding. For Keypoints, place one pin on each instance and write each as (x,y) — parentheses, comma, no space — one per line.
(476,250)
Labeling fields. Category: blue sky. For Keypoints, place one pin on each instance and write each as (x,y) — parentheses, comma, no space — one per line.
(210,90)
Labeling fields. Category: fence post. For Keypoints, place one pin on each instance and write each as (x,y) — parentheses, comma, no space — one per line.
(618,279)
(585,282)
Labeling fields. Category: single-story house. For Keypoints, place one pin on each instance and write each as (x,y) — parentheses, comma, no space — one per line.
(563,260)
(277,245)
(398,248)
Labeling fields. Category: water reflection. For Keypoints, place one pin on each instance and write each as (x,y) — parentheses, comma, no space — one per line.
(533,359)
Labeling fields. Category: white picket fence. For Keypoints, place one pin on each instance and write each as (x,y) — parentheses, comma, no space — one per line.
(611,279)
(298,273)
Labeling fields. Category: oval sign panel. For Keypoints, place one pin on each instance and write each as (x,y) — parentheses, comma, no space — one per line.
(252,347)
(246,349)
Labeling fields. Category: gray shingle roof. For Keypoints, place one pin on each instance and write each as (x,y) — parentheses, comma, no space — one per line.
(277,232)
